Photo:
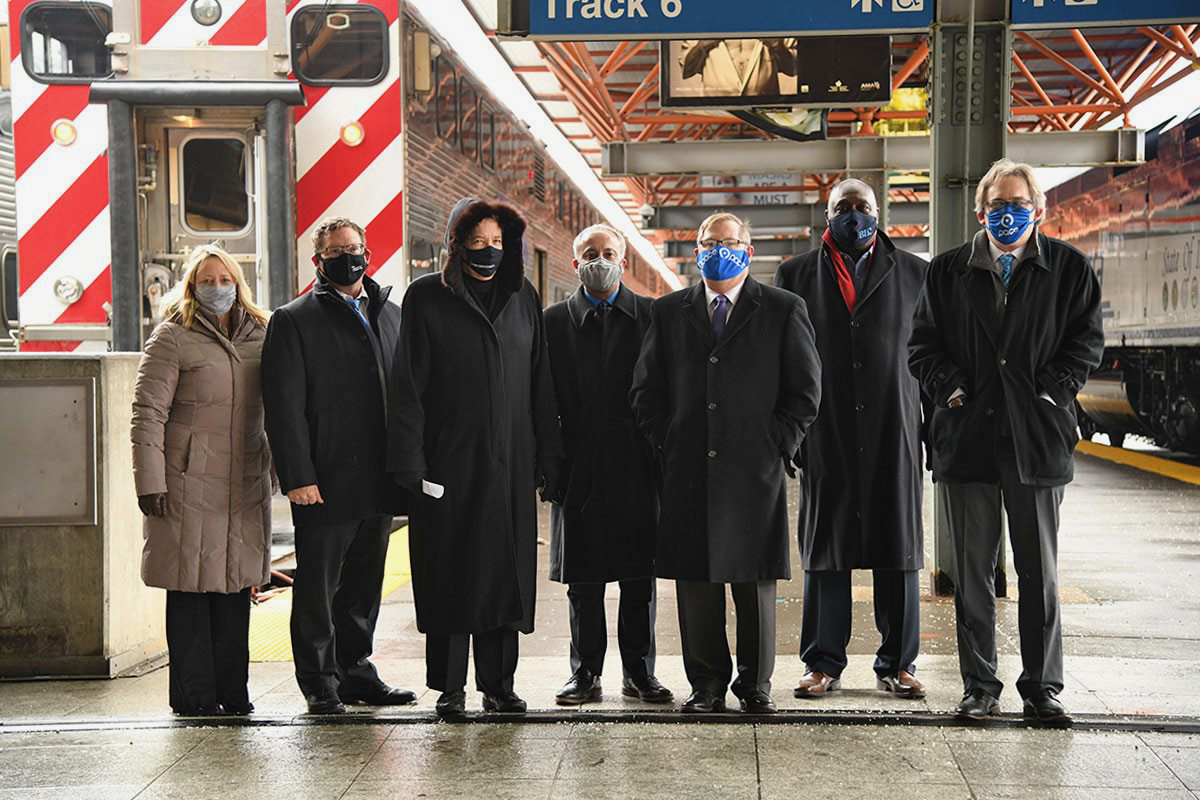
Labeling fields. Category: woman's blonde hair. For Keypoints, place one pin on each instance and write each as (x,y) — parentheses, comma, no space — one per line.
(180,303)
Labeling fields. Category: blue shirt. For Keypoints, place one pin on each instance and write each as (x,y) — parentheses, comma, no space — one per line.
(596,301)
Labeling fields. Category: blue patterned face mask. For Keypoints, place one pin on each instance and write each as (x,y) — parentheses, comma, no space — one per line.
(722,263)
(1008,224)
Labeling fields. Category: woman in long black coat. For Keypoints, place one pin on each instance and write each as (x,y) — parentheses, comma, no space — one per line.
(472,424)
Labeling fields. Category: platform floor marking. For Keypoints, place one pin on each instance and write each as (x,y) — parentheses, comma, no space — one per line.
(270,632)
(1142,461)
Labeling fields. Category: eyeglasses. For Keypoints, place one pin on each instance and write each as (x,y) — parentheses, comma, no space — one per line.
(999,205)
(709,244)
(353,249)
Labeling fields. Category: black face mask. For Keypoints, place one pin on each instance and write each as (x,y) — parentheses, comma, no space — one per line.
(344,270)
(853,231)
(486,261)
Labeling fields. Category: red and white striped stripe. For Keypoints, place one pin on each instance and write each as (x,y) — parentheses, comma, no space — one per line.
(62,200)
(169,23)
(365,182)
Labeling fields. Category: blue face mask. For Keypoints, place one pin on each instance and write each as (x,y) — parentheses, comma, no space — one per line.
(1008,224)
(722,263)
(853,231)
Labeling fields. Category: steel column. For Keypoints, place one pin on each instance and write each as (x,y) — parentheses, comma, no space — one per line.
(123,227)
(280,199)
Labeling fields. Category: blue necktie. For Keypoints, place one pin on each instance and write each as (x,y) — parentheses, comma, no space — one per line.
(355,303)
(720,315)
(1006,264)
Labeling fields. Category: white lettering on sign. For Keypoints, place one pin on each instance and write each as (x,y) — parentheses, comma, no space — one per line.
(866,5)
(908,5)
(616,9)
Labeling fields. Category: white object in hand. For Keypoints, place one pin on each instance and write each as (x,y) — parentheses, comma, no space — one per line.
(1047,398)
(434,490)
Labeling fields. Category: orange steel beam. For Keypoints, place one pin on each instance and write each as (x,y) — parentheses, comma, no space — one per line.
(1183,39)
(1130,70)
(1064,108)
(613,55)
(1055,119)
(1066,64)
(1101,70)
(589,67)
(910,66)
(579,93)
(1170,44)
(1152,86)
(648,85)
(615,62)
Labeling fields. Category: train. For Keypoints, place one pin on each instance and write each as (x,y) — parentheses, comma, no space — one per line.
(141,130)
(1140,226)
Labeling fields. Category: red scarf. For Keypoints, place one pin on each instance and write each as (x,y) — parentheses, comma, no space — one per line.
(845,278)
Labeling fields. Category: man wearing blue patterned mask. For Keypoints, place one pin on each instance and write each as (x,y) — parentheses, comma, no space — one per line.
(1004,336)
(725,388)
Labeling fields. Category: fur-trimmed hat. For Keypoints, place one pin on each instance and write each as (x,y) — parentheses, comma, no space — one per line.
(466,214)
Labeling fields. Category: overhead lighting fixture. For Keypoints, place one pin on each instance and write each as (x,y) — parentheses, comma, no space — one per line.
(206,12)
(454,23)
(63,131)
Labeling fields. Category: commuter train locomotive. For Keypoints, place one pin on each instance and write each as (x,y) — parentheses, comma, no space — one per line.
(1141,228)
(250,121)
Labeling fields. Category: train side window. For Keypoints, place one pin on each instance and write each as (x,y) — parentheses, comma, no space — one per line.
(446,86)
(335,43)
(213,183)
(468,125)
(487,136)
(63,42)
(8,276)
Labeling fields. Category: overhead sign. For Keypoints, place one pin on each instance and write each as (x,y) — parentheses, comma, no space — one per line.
(1076,13)
(579,20)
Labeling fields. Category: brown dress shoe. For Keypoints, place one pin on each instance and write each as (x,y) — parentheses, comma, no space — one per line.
(903,684)
(816,684)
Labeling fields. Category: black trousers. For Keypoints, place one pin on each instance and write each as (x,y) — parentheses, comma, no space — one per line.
(827,611)
(706,658)
(208,642)
(973,514)
(635,627)
(335,604)
(495,661)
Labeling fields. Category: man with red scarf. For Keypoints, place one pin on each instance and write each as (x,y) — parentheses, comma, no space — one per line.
(861,507)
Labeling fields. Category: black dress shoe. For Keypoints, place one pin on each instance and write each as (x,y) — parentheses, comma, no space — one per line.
(504,703)
(238,709)
(646,689)
(1045,707)
(702,702)
(452,705)
(325,704)
(200,711)
(758,703)
(977,704)
(583,687)
(384,696)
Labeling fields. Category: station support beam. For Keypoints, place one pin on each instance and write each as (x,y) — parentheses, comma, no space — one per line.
(123,224)
(773,216)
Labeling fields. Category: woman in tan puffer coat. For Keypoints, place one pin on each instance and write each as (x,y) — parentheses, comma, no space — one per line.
(202,472)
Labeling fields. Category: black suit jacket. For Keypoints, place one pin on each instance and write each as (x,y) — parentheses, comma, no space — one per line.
(323,398)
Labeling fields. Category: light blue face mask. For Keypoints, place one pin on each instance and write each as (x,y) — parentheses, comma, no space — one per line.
(1008,224)
(722,263)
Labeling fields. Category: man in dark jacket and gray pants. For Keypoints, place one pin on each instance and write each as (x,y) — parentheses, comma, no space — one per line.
(725,388)
(603,524)
(325,370)
(473,423)
(1004,337)
(862,459)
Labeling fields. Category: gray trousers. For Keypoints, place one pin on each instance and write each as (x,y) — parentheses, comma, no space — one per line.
(974,520)
(706,658)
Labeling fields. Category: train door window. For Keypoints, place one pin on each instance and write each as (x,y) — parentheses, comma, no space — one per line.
(540,268)
(8,277)
(63,42)
(447,100)
(339,44)
(213,183)
(468,125)
(487,136)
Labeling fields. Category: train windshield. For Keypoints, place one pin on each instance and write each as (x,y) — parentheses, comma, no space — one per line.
(342,44)
(63,42)
(214,185)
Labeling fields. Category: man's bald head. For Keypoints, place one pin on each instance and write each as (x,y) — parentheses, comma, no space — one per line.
(852,195)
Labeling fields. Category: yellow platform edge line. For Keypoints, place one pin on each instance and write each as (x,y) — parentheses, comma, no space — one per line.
(270,622)
(1142,461)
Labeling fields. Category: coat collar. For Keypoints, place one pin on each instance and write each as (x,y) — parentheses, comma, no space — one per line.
(211,326)
(1035,251)
(746,306)
(579,306)
(376,294)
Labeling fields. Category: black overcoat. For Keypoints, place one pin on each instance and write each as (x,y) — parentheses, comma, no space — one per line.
(726,416)
(472,409)
(861,507)
(604,529)
(323,401)
(1047,337)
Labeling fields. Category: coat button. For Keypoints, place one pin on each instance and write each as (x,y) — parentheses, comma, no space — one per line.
(854,323)
(713,359)
(857,365)
(712,453)
(987,412)
(712,406)
(362,337)
(1003,362)
(941,376)
(858,407)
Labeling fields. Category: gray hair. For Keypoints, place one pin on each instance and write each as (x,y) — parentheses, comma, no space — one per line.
(592,230)
(723,216)
(1003,169)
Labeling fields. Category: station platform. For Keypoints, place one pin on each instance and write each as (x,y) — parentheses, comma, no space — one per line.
(1129,564)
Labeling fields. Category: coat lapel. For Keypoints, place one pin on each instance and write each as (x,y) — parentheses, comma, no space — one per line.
(746,306)
(698,313)
(982,296)
(883,261)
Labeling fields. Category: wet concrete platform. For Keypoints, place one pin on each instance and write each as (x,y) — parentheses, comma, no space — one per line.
(1129,570)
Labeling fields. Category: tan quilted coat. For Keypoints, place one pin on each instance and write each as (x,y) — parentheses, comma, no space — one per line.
(198,436)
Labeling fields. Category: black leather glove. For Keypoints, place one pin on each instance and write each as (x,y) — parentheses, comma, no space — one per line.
(153,505)
(409,481)
(553,488)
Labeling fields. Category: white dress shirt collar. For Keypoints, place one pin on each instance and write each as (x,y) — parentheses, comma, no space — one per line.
(731,295)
